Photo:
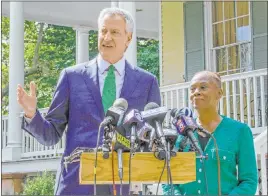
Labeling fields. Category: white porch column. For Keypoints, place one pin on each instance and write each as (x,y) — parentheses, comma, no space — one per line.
(131,53)
(82,44)
(16,76)
(114,4)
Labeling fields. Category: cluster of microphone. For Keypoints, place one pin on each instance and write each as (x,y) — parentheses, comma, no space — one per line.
(143,130)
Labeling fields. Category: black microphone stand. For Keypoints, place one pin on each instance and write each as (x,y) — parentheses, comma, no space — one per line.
(169,176)
(107,140)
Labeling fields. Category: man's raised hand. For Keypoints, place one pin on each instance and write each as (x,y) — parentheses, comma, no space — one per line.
(27,101)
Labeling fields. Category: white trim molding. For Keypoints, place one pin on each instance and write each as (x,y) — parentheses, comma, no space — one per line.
(30,166)
(209,62)
(160,45)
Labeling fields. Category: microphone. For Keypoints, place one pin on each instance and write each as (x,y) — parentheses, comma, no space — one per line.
(183,144)
(185,125)
(115,114)
(143,136)
(114,117)
(151,140)
(171,136)
(187,112)
(155,115)
(107,139)
(133,120)
(184,111)
(152,111)
(143,132)
(121,143)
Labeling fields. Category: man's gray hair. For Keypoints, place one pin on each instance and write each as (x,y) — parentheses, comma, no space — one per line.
(112,11)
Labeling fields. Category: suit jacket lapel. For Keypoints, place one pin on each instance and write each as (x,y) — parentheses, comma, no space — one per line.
(131,80)
(91,80)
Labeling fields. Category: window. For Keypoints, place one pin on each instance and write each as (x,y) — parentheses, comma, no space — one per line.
(231,30)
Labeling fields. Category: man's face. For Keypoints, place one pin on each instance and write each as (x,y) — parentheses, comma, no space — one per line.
(113,38)
(204,92)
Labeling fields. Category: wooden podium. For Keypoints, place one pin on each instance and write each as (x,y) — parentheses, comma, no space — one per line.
(145,168)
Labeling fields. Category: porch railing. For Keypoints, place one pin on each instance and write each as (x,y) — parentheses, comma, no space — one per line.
(243,99)
(4,131)
(31,148)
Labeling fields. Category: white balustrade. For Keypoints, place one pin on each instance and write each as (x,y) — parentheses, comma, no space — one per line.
(31,148)
(4,131)
(260,143)
(244,97)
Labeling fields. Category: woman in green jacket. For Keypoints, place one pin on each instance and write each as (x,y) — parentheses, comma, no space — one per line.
(238,170)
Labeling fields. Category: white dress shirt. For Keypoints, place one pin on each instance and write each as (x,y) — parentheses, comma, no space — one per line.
(119,71)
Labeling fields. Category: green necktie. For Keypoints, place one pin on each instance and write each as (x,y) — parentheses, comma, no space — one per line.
(109,90)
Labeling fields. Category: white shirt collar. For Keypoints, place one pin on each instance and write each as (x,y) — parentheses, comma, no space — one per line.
(104,65)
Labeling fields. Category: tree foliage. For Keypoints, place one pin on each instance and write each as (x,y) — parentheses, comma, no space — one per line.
(148,55)
(41,185)
(46,56)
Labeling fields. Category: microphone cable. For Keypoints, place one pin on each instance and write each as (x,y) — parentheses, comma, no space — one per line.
(170,182)
(121,187)
(160,177)
(165,163)
(168,157)
(121,181)
(129,171)
(131,151)
(96,160)
(169,179)
(114,188)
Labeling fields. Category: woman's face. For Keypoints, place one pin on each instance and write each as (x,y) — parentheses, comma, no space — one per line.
(205,93)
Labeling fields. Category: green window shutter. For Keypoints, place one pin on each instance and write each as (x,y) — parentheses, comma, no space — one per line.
(259,34)
(259,48)
(194,38)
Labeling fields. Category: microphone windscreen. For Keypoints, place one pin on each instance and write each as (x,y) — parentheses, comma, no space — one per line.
(121,103)
(173,112)
(151,105)
(186,112)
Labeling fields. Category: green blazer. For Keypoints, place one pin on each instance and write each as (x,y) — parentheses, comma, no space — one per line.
(237,160)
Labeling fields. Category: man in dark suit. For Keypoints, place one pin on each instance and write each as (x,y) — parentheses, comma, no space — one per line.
(84,93)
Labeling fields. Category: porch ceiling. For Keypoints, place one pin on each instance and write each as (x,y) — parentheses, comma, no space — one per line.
(86,13)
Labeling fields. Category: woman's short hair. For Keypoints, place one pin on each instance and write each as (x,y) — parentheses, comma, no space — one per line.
(214,75)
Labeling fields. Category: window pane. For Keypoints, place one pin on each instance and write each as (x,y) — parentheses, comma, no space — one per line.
(245,56)
(230,32)
(242,8)
(217,14)
(218,38)
(221,60)
(233,59)
(243,21)
(229,10)
(243,31)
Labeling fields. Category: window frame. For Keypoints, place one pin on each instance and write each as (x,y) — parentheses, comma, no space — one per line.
(210,50)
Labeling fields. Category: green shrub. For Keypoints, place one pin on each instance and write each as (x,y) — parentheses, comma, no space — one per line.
(40,185)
